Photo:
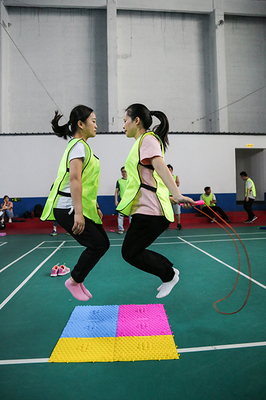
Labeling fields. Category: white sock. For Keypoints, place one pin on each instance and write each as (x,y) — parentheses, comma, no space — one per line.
(166,287)
(160,287)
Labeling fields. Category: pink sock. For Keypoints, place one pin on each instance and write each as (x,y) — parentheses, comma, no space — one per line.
(86,291)
(76,290)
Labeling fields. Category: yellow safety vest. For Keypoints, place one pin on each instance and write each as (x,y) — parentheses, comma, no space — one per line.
(90,183)
(207,199)
(134,182)
(253,189)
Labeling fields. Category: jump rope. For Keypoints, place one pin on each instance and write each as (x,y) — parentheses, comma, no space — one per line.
(201,202)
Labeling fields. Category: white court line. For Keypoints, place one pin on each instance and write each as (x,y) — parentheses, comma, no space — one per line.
(29,277)
(221,347)
(221,262)
(186,350)
(13,262)
(213,234)
(208,241)
(162,243)
(2,244)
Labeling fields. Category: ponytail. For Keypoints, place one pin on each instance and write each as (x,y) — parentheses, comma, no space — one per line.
(79,113)
(145,115)
(63,130)
(162,129)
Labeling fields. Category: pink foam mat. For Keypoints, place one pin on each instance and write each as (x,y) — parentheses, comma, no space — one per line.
(142,320)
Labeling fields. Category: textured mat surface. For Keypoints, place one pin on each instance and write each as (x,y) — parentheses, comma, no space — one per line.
(116,333)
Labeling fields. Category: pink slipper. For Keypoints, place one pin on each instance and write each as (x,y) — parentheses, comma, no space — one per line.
(86,291)
(76,290)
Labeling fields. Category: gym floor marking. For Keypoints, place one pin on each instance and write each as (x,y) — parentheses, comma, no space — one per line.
(29,276)
(185,350)
(223,263)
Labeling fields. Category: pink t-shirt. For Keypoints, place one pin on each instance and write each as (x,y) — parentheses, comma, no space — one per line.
(146,202)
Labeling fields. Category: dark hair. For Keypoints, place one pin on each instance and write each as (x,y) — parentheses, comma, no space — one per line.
(243,173)
(79,113)
(5,196)
(206,188)
(145,115)
(122,168)
(170,166)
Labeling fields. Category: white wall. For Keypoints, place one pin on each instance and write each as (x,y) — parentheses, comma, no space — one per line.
(199,160)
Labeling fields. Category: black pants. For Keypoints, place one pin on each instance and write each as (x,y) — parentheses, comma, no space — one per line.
(93,237)
(217,209)
(143,230)
(248,207)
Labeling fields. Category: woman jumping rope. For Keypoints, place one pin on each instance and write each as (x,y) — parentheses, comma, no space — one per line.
(147,195)
(73,199)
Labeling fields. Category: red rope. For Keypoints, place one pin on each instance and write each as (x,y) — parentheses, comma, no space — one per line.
(239,261)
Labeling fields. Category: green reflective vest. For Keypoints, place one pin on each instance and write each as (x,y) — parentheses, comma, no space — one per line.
(90,183)
(253,189)
(207,199)
(122,186)
(134,182)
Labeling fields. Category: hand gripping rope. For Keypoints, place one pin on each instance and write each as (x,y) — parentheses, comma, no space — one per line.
(201,202)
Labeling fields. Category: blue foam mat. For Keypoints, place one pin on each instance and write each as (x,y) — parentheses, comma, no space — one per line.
(92,321)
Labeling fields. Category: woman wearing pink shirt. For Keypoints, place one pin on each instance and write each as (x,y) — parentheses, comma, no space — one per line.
(147,195)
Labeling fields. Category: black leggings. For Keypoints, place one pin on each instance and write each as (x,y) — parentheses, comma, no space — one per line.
(142,232)
(93,237)
(217,209)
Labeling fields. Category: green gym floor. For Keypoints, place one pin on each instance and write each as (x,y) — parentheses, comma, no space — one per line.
(221,356)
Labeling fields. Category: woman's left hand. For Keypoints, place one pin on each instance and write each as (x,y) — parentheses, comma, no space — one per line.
(79,224)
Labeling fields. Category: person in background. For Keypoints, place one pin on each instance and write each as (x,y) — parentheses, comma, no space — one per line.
(176,207)
(209,199)
(250,195)
(146,197)
(119,191)
(73,199)
(55,225)
(7,209)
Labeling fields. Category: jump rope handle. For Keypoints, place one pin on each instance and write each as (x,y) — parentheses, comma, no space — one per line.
(198,203)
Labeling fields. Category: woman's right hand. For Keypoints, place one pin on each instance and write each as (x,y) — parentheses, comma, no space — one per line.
(79,224)
(187,202)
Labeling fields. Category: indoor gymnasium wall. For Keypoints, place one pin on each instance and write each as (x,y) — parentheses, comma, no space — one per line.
(245,46)
(163,62)
(58,61)
(57,58)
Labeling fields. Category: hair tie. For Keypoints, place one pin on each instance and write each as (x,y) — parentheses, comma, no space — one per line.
(151,112)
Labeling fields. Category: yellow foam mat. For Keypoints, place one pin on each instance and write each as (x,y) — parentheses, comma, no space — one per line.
(114,349)
(83,350)
(138,348)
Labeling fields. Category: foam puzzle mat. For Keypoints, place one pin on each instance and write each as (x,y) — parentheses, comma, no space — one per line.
(131,332)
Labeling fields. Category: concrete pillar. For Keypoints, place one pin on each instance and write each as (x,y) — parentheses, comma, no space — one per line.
(219,101)
(112,66)
(4,75)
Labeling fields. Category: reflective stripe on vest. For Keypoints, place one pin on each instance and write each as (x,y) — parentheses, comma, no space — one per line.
(89,179)
(134,182)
